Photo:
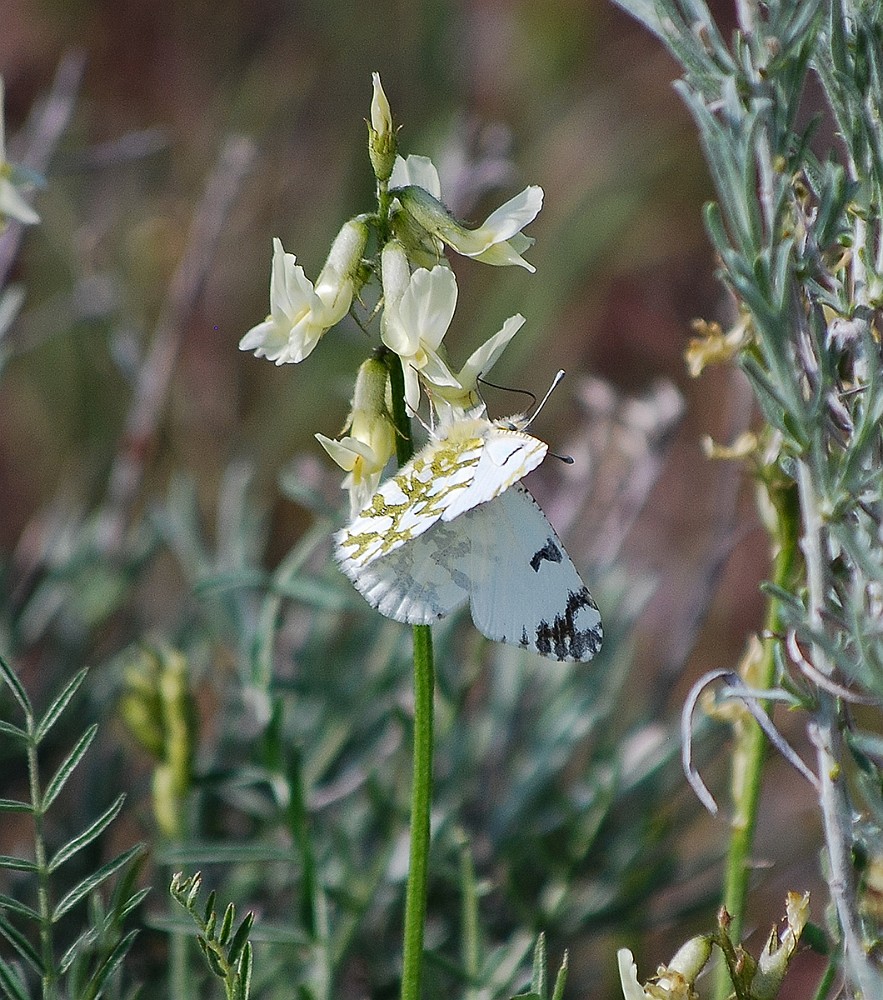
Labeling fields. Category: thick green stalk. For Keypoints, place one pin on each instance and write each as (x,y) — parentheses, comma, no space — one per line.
(421,804)
(421,790)
(749,753)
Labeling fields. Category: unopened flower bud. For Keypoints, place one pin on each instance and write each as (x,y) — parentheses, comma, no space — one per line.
(381,133)
(364,452)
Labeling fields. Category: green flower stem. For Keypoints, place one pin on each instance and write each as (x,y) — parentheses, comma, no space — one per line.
(421,804)
(749,753)
(44,902)
(384,201)
(424,688)
(400,418)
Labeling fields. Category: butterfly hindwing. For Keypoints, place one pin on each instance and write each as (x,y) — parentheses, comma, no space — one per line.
(534,597)
(420,582)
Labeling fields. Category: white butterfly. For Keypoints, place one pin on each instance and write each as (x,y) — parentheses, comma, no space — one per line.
(453,524)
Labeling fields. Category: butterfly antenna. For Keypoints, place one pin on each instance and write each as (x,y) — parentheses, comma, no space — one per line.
(508,388)
(555,382)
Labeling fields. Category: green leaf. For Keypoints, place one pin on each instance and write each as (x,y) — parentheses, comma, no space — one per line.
(59,779)
(21,944)
(16,906)
(8,729)
(245,967)
(13,805)
(113,961)
(133,902)
(14,685)
(227,924)
(59,705)
(213,960)
(240,938)
(17,864)
(560,980)
(10,982)
(538,978)
(88,835)
(94,880)
(86,941)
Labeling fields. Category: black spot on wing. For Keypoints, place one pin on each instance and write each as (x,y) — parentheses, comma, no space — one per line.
(562,638)
(551,551)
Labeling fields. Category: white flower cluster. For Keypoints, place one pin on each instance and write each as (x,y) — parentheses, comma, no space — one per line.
(419,298)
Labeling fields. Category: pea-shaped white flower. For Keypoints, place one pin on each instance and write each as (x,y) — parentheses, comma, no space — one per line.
(418,309)
(300,313)
(455,393)
(498,240)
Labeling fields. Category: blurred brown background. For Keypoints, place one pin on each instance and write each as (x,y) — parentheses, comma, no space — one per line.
(568,94)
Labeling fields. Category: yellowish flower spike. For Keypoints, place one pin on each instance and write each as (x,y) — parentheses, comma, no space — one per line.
(300,313)
(364,453)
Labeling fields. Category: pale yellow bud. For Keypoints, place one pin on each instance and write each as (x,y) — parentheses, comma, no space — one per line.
(381,133)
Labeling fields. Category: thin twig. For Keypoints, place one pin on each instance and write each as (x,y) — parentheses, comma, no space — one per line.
(824,733)
(820,679)
(151,391)
(751,700)
(692,775)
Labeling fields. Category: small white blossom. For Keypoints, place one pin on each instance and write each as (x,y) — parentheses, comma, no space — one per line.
(418,171)
(418,310)
(457,393)
(498,240)
(301,313)
(672,982)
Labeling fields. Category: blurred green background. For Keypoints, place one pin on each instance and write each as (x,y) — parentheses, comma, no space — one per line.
(567,94)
